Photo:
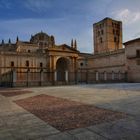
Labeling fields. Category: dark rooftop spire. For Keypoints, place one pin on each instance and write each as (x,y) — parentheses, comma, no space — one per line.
(9,42)
(17,39)
(72,43)
(75,44)
(2,42)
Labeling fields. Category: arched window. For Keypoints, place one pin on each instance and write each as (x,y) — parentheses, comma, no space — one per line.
(98,33)
(27,63)
(138,53)
(101,40)
(102,31)
(112,24)
(117,32)
(113,31)
(115,39)
(12,63)
(41,64)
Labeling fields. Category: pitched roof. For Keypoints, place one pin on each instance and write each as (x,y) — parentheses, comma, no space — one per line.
(132,41)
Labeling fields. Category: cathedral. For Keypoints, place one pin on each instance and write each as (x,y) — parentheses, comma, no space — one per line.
(41,62)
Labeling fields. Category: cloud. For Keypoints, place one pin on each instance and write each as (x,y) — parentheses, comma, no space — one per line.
(5,4)
(128,17)
(137,35)
(37,5)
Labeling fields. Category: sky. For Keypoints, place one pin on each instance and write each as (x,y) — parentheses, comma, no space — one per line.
(66,19)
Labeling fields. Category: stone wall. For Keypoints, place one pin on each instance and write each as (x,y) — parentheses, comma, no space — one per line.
(133,61)
(108,62)
(20,59)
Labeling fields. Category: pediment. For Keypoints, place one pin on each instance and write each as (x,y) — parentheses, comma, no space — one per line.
(65,47)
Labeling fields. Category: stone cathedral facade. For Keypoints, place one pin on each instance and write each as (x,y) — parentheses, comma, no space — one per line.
(40,62)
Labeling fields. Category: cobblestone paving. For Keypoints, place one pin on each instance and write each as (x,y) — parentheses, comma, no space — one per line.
(19,124)
(64,114)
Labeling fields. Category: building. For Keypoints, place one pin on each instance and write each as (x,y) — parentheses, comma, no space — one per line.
(110,61)
(40,62)
(107,35)
(132,55)
(37,62)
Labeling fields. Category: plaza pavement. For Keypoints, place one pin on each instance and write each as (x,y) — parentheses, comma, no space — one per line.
(19,124)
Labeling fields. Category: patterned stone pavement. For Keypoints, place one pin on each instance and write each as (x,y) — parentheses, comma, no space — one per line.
(17,123)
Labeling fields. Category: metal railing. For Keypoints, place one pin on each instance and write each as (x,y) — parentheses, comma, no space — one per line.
(27,78)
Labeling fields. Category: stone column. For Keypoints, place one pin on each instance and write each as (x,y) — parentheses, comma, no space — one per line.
(51,63)
(119,76)
(55,76)
(66,76)
(87,76)
(41,77)
(28,77)
(105,76)
(97,76)
(14,77)
(75,70)
(112,75)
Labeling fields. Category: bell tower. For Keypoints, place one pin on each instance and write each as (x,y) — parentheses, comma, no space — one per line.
(107,35)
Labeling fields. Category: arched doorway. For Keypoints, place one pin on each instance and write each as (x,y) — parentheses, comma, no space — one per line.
(62,69)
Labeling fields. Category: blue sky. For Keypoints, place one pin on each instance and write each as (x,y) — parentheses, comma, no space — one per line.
(66,19)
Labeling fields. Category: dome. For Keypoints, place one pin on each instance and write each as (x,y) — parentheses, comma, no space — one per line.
(42,39)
